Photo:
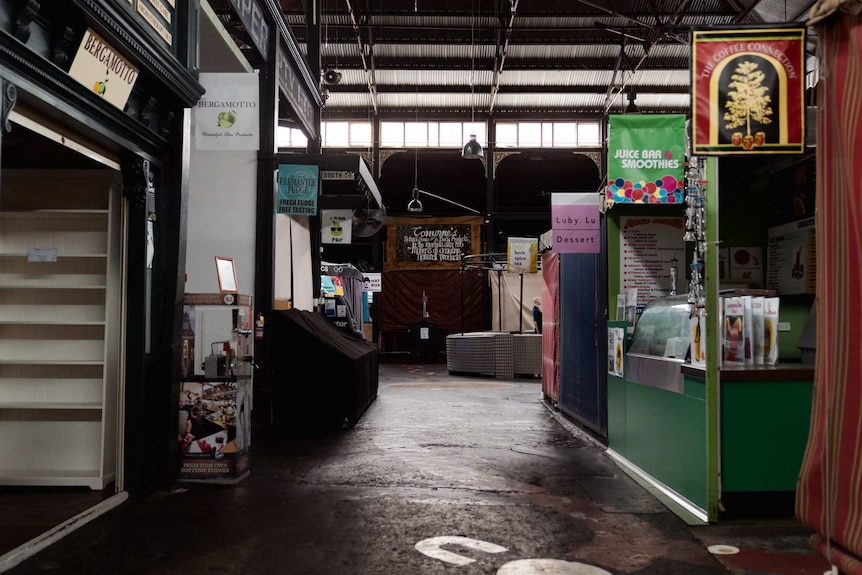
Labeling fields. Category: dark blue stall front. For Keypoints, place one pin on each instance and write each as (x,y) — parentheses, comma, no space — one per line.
(583,345)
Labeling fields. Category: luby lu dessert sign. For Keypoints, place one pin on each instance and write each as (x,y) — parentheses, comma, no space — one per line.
(99,68)
(576,228)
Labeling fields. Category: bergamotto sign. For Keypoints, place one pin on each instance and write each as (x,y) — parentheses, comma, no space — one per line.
(100,69)
(227,116)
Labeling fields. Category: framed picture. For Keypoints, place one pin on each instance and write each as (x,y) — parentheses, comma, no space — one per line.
(226,271)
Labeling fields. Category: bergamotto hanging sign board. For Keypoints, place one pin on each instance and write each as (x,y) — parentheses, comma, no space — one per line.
(227,116)
(646,159)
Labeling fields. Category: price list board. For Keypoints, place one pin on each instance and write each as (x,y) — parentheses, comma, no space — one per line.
(791,266)
(649,246)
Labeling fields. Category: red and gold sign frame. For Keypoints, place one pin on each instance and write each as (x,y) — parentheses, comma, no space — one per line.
(747,91)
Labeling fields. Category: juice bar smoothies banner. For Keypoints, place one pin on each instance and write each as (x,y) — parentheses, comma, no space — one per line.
(646,159)
(747,91)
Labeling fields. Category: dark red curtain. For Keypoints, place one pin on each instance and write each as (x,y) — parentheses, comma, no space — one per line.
(551,325)
(401,299)
(828,496)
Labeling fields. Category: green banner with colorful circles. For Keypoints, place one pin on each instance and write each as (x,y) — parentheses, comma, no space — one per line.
(646,159)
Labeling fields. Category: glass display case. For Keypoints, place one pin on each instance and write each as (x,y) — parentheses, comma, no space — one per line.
(660,344)
(663,328)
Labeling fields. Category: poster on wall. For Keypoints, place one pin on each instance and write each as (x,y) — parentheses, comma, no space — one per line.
(522,255)
(747,264)
(646,159)
(297,189)
(649,246)
(575,224)
(616,341)
(792,192)
(227,116)
(336,226)
(791,266)
(214,427)
(747,91)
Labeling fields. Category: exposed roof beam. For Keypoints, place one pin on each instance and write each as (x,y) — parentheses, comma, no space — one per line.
(369,71)
(501,56)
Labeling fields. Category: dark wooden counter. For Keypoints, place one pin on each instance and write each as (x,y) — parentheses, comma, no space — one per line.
(779,372)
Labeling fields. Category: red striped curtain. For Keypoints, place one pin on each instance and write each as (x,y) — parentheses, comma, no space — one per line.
(829,492)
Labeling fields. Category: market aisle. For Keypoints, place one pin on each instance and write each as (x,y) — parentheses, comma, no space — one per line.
(443,474)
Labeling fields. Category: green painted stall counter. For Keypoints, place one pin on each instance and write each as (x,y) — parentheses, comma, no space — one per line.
(764,420)
(765,416)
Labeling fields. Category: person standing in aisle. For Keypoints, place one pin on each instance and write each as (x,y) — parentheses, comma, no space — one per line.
(537,313)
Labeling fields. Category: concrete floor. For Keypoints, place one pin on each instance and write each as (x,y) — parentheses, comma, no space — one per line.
(443,474)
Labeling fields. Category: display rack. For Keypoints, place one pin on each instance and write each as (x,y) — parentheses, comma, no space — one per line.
(59,327)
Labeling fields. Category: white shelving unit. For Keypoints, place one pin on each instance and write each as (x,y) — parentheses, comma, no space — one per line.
(60,286)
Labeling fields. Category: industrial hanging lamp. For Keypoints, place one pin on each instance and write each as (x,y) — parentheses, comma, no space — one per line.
(472,149)
(632,108)
(415,205)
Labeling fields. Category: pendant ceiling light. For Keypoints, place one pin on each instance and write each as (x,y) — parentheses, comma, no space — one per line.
(472,149)
(415,204)
(632,108)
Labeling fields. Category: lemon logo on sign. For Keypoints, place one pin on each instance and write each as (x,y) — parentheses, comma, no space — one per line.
(100,87)
(226,119)
(335,229)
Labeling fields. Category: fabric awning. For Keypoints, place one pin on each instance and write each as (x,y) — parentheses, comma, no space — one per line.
(825,8)
(830,480)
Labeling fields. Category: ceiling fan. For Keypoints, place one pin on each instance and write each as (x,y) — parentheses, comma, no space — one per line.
(368,221)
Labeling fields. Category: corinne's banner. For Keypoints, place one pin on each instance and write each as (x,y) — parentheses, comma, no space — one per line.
(297,189)
(747,91)
(646,159)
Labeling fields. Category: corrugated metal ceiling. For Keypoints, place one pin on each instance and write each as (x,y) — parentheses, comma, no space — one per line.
(564,58)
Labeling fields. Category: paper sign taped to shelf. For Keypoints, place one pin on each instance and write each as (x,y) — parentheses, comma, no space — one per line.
(337,175)
(42,255)
(372,282)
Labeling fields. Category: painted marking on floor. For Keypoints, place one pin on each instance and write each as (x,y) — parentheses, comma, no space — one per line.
(549,567)
(432,548)
(723,549)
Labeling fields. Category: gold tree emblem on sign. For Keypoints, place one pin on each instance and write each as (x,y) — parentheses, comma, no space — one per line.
(748,100)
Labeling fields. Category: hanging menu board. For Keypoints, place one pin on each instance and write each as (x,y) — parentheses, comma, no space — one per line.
(433,243)
(649,246)
(158,16)
(791,258)
(791,263)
